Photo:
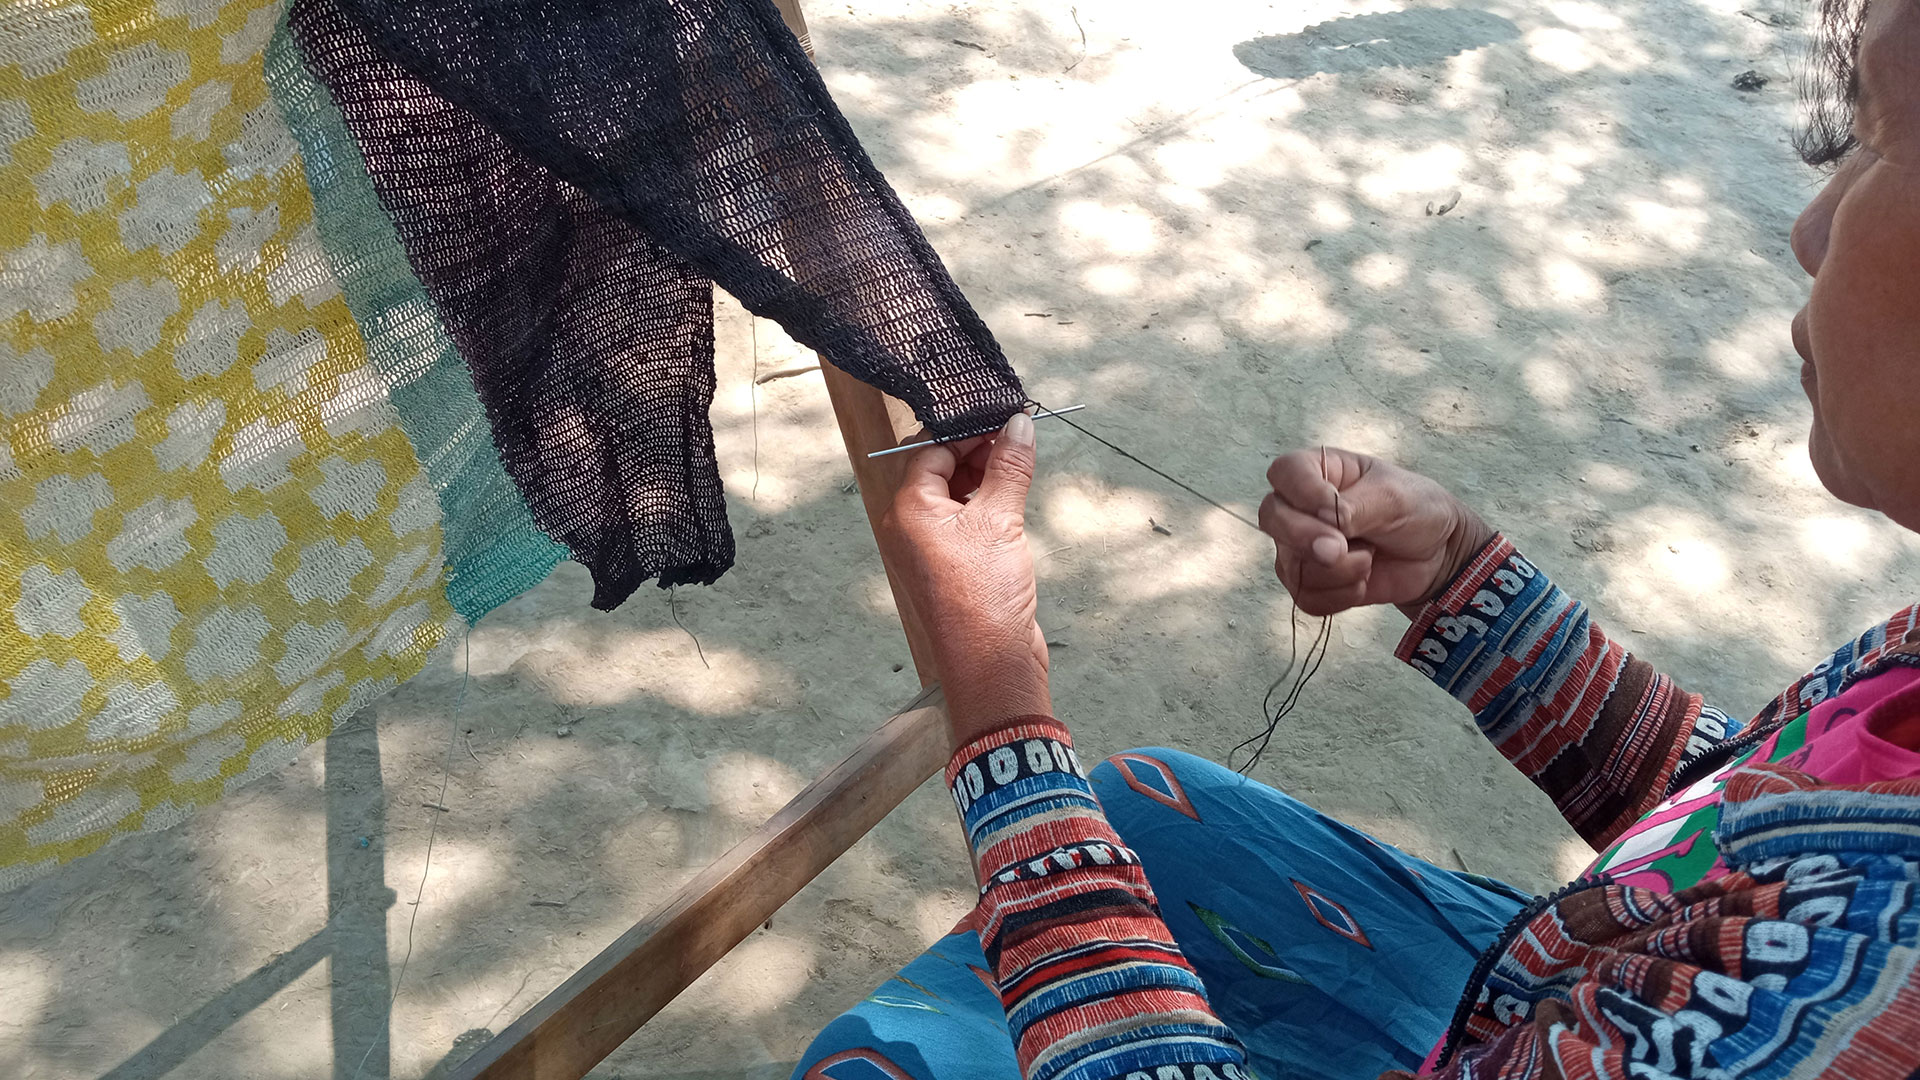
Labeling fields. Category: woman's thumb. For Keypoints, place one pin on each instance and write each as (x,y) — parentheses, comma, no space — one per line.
(1009,469)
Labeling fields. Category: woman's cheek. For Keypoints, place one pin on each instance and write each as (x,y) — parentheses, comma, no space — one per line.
(1864,329)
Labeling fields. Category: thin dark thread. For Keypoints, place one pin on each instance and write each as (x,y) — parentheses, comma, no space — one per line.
(433,830)
(673,606)
(1305,667)
(1075,12)
(1316,655)
(1262,737)
(1175,481)
(753,396)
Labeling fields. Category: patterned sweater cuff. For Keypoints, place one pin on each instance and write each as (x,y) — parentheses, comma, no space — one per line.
(1594,727)
(1018,772)
(1478,619)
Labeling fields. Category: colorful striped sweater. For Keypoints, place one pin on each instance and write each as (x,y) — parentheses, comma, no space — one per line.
(1593,726)
(1093,984)
(1096,989)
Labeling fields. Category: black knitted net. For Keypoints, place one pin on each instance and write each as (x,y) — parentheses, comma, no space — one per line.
(567,175)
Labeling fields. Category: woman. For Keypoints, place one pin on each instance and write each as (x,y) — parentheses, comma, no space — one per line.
(1753,909)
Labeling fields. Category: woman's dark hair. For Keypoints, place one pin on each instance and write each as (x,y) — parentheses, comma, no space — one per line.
(1832,81)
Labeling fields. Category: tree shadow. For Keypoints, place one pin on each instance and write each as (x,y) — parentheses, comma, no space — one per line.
(1586,348)
(1412,38)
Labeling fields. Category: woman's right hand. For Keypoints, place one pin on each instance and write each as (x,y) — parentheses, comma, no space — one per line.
(1352,530)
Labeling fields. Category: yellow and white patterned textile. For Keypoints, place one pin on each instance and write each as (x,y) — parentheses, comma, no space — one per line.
(215,542)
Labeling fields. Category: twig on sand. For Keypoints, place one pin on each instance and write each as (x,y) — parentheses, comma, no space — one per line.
(1075,12)
(784,373)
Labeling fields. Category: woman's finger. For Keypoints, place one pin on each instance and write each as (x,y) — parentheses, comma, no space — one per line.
(1330,601)
(1310,537)
(974,450)
(1355,567)
(973,466)
(1302,576)
(928,478)
(1010,466)
(1299,481)
(1319,594)
(1372,502)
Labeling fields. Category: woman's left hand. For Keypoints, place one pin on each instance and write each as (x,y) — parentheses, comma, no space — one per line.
(959,519)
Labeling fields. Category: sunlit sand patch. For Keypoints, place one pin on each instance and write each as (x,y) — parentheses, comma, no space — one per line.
(935,914)
(618,665)
(1360,430)
(1112,279)
(1560,48)
(1678,583)
(1760,350)
(1409,174)
(751,787)
(1845,544)
(1231,144)
(1550,382)
(1610,478)
(1304,312)
(1380,270)
(1585,16)
(1542,176)
(765,972)
(1572,859)
(1122,229)
(1678,228)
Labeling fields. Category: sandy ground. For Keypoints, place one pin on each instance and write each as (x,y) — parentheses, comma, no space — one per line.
(1211,225)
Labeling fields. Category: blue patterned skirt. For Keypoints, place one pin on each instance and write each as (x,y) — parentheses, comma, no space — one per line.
(1333,956)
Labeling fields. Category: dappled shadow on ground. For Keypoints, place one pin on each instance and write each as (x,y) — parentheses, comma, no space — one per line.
(1413,38)
(1214,231)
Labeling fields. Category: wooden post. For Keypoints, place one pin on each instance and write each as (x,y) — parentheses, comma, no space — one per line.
(796,22)
(869,421)
(605,1002)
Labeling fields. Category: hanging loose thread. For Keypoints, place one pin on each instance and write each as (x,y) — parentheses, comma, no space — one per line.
(1303,673)
(753,396)
(1301,669)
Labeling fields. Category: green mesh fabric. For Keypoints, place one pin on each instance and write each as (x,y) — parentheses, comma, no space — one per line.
(494,551)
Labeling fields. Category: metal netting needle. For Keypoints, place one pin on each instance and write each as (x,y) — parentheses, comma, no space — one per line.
(903,448)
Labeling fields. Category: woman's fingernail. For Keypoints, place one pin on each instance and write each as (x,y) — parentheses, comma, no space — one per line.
(1328,550)
(1020,428)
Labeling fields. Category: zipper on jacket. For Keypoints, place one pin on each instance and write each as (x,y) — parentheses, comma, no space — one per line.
(1483,967)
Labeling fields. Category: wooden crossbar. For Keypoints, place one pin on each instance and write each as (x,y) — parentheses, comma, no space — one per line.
(602,1004)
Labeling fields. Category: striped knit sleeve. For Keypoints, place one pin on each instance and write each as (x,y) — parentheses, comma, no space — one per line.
(1593,726)
(1092,982)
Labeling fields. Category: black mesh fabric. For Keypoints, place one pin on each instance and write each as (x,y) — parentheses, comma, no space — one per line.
(566,175)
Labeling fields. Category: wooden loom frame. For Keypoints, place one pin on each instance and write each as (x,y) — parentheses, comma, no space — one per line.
(602,1004)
